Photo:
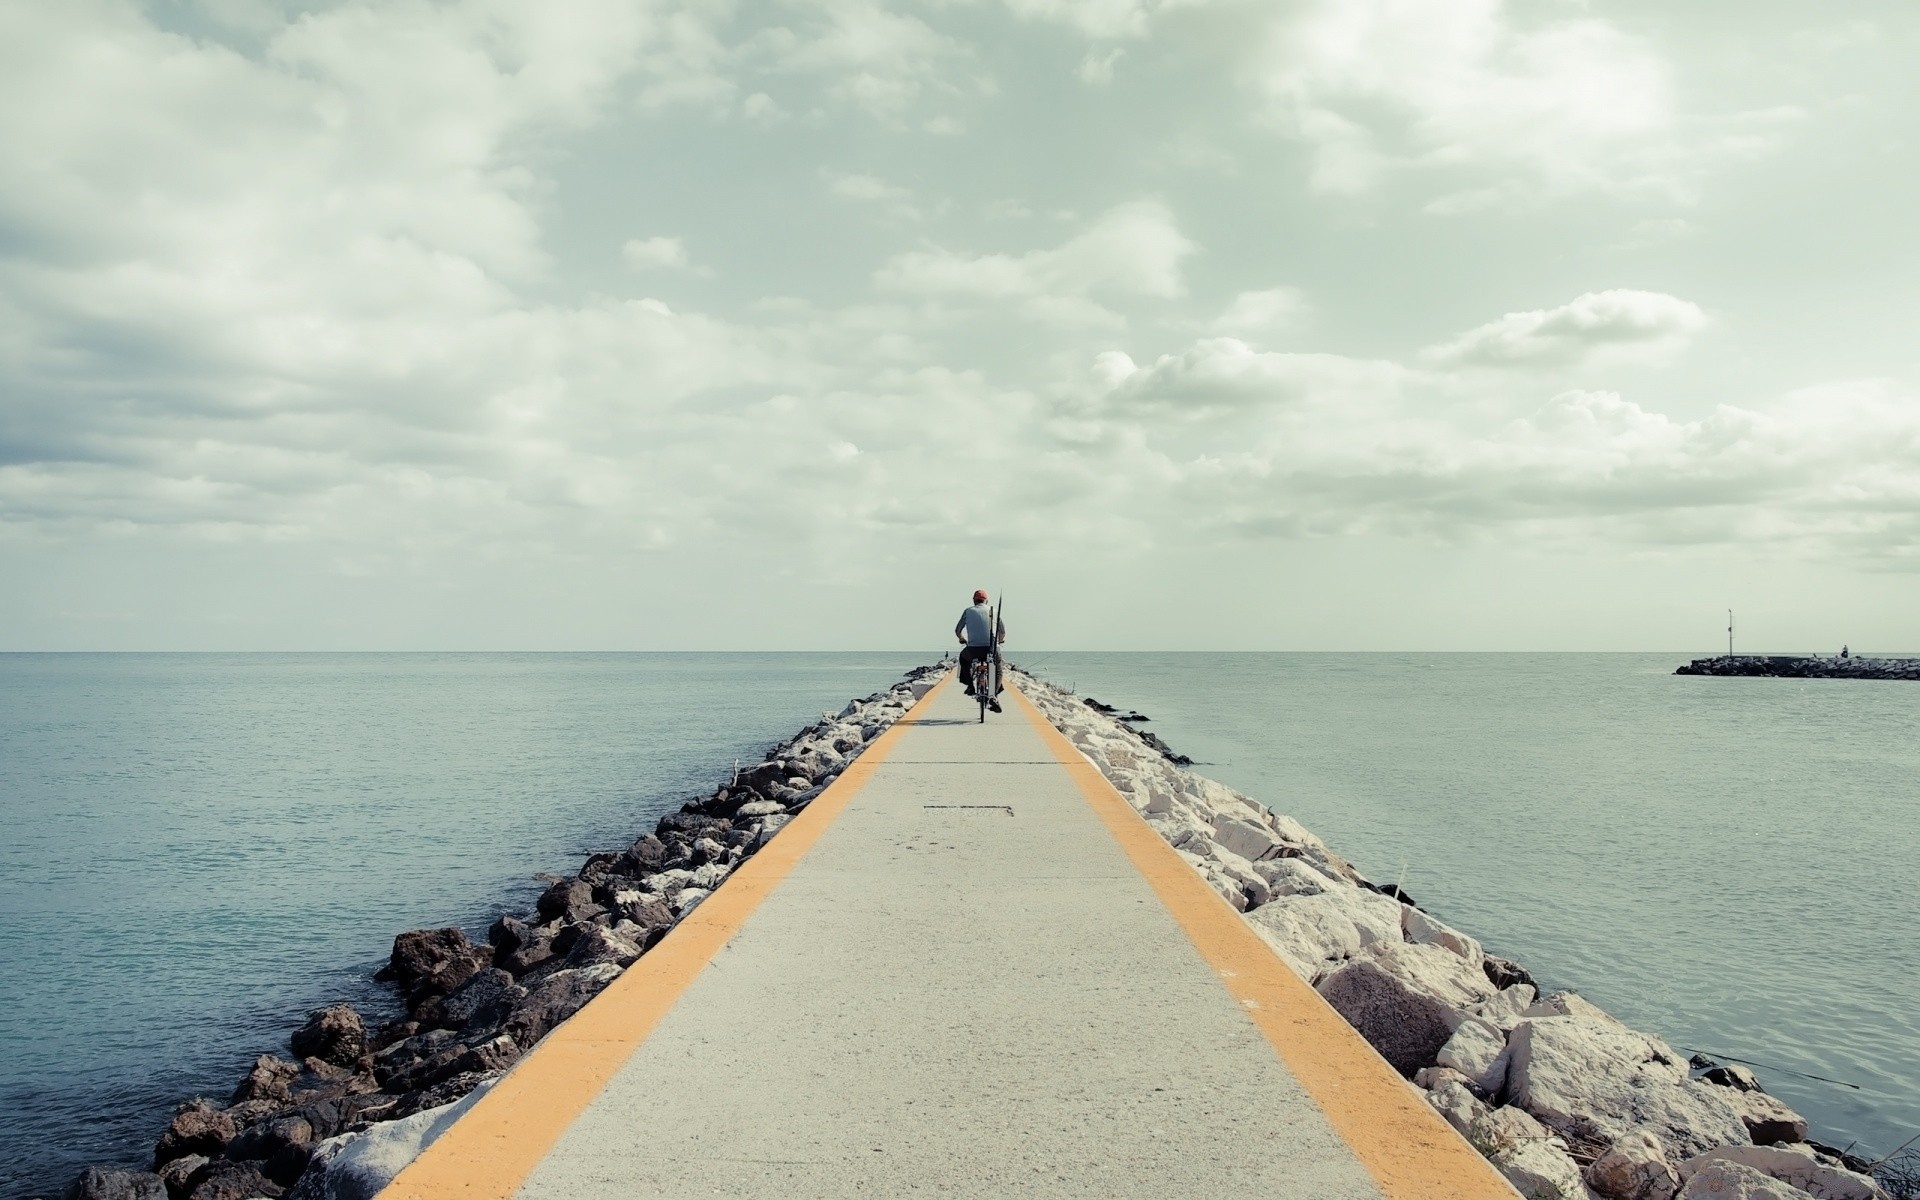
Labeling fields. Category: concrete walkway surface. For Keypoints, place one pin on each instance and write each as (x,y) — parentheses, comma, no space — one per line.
(960,983)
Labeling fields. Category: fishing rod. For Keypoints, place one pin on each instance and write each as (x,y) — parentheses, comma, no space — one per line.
(1770,1067)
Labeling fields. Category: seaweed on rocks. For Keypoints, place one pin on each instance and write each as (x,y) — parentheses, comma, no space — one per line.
(474,1009)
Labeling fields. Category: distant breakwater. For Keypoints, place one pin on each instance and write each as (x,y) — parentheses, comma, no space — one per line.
(1776,666)
(352,1104)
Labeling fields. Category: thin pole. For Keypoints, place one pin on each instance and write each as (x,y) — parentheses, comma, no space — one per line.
(1729,633)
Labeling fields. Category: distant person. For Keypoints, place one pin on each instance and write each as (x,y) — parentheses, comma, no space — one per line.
(1844,653)
(978,632)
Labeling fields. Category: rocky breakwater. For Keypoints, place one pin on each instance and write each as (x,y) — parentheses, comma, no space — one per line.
(1568,1102)
(350,1105)
(1787,667)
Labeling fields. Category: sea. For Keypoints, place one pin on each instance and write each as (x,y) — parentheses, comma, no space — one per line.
(200,848)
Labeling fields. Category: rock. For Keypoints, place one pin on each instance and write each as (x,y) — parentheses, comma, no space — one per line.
(1594,1081)
(1478,1051)
(487,988)
(357,1166)
(1293,877)
(1768,1121)
(1795,1165)
(452,1088)
(557,997)
(1504,973)
(1522,1150)
(1462,1109)
(490,1056)
(247,1112)
(770,826)
(110,1183)
(1731,1075)
(1635,1167)
(569,900)
(1433,1078)
(644,909)
(268,1138)
(647,855)
(428,961)
(1244,837)
(596,945)
(334,1034)
(759,808)
(692,825)
(1406,1000)
(1507,1009)
(176,1173)
(1732,1181)
(270,1079)
(222,1180)
(688,899)
(1570,1004)
(197,1128)
(1423,929)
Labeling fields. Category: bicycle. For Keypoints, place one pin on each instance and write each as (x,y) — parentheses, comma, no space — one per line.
(985,676)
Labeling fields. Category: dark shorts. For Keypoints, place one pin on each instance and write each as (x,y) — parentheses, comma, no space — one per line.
(968,657)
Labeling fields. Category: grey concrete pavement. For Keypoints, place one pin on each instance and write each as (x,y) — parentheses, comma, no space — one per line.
(964,989)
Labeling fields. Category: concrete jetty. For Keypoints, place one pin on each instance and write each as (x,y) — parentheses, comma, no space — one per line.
(967,968)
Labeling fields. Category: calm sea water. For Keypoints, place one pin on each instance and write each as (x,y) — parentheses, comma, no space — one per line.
(1731,863)
(202,847)
(199,848)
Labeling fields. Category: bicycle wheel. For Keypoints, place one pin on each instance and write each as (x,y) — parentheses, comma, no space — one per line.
(983,687)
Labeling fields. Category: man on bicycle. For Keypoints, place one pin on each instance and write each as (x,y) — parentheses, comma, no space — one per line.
(975,630)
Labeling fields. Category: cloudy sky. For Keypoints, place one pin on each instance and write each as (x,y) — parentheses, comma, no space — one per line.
(1316,324)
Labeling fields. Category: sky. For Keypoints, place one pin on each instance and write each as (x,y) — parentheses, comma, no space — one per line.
(1184,324)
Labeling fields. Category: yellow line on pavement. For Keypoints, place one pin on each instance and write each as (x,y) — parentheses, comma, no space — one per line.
(490,1151)
(1403,1143)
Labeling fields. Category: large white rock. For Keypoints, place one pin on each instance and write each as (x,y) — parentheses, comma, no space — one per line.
(1406,1000)
(1536,1164)
(1478,1051)
(1505,1010)
(1768,1121)
(1596,1080)
(356,1166)
(1428,930)
(1294,877)
(1795,1165)
(1462,1109)
(1635,1167)
(1731,1181)
(1305,934)
(1245,837)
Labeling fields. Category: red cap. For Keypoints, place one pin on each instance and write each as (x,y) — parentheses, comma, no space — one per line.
(979,594)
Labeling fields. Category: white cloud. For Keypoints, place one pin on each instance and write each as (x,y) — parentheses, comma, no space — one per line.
(1263,314)
(1600,327)
(867,55)
(1553,106)
(1097,66)
(654,253)
(1093,18)
(1133,250)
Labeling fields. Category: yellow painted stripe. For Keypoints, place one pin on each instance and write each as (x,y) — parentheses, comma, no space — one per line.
(491,1150)
(1410,1151)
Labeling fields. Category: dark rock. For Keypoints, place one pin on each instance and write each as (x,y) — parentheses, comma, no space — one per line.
(268,1138)
(425,961)
(391,1033)
(484,990)
(596,945)
(444,1092)
(532,953)
(1503,973)
(225,1180)
(568,900)
(598,867)
(1733,1076)
(288,1163)
(109,1183)
(692,825)
(646,910)
(176,1173)
(645,856)
(1405,1026)
(334,1034)
(270,1079)
(557,997)
(400,1056)
(423,1072)
(489,1056)
(197,1128)
(249,1112)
